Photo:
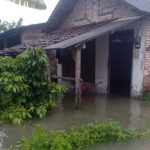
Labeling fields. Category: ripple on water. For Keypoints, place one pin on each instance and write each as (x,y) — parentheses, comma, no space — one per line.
(131,113)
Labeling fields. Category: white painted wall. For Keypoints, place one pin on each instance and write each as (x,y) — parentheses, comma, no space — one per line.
(138,58)
(102,55)
(138,61)
(101,65)
(32,34)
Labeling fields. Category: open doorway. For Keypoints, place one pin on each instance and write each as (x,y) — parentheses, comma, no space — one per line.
(88,62)
(121,48)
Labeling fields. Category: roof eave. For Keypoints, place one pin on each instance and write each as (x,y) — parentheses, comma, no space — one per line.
(53,22)
(137,8)
(93,34)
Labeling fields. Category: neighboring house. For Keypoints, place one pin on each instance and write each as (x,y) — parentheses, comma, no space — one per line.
(20,35)
(113,36)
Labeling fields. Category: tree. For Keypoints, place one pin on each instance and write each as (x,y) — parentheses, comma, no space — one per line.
(5,25)
(37,4)
(25,90)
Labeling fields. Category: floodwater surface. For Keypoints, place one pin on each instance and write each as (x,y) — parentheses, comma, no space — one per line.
(131,113)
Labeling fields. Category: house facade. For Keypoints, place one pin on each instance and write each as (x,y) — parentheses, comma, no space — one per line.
(113,37)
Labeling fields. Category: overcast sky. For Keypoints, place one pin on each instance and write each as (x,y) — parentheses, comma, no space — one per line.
(12,12)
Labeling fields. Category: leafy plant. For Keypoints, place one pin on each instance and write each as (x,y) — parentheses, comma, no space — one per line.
(146,97)
(24,86)
(5,25)
(57,90)
(17,114)
(13,88)
(78,139)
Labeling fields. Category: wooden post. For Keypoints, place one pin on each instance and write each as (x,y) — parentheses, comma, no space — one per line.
(48,66)
(78,77)
(64,78)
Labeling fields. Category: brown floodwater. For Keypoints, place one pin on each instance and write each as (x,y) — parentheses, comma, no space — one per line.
(131,113)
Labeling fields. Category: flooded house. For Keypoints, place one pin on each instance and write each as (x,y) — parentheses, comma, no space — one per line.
(103,42)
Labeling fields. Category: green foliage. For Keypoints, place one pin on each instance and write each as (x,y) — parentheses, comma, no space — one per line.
(13,89)
(37,4)
(25,87)
(55,88)
(5,25)
(78,139)
(146,97)
(17,114)
(32,67)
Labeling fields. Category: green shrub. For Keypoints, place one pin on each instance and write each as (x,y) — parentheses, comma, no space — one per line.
(77,139)
(25,88)
(16,114)
(13,89)
(146,97)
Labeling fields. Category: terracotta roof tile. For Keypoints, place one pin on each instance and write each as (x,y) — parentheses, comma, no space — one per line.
(54,37)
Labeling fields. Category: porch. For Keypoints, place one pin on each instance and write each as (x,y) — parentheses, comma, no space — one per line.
(107,57)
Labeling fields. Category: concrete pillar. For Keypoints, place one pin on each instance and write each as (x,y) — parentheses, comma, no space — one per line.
(59,65)
(138,61)
(101,64)
(59,72)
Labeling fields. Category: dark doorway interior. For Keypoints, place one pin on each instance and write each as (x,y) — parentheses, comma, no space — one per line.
(68,64)
(121,46)
(88,62)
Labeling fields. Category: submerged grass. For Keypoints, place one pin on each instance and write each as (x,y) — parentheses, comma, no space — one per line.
(146,97)
(77,138)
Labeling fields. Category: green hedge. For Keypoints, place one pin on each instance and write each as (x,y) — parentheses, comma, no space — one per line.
(25,90)
(146,97)
(78,138)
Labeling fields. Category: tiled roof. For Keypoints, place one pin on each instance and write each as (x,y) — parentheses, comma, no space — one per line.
(65,7)
(142,5)
(53,38)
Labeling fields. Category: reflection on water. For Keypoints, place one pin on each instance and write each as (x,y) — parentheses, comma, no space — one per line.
(135,110)
(2,136)
(130,112)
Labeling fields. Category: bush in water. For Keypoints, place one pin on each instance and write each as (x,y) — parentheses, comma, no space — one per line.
(77,139)
(25,88)
(146,97)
